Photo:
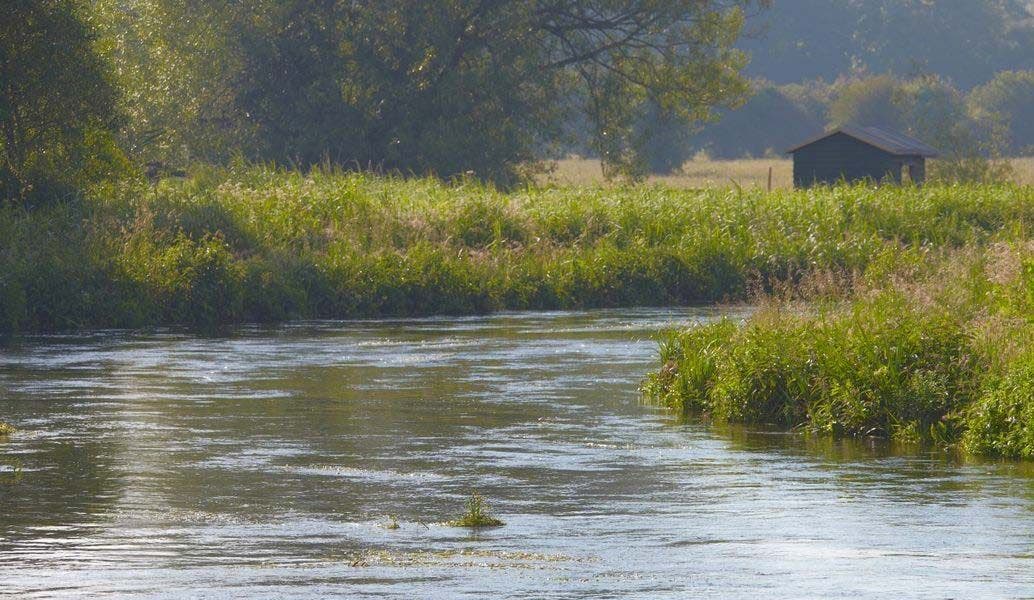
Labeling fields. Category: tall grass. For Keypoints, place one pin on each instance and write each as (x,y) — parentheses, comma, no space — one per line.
(942,354)
(259,244)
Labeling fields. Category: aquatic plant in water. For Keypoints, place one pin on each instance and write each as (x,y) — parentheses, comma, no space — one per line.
(6,428)
(477,514)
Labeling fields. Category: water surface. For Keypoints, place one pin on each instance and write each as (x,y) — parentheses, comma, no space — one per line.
(267,465)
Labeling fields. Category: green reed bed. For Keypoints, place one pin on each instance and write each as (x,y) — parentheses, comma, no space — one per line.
(258,245)
(942,353)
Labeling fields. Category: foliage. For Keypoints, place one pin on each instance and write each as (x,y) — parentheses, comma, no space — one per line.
(445,88)
(1001,422)
(56,102)
(175,65)
(477,514)
(872,101)
(6,429)
(1006,105)
(948,362)
(770,122)
(959,40)
(261,244)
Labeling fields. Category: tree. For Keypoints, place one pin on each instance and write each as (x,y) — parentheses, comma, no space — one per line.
(442,87)
(177,63)
(870,101)
(1005,105)
(770,122)
(57,106)
(960,40)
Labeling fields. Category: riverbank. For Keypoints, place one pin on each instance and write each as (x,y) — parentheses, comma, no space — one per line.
(938,351)
(260,245)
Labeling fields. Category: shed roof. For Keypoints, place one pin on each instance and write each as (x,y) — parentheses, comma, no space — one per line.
(895,143)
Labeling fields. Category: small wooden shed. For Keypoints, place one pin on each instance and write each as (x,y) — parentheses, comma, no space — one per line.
(858,153)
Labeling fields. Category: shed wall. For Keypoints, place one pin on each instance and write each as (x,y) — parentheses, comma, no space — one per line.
(841,156)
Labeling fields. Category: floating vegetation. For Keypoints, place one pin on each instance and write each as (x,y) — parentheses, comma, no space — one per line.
(477,514)
(6,428)
(465,558)
(393,522)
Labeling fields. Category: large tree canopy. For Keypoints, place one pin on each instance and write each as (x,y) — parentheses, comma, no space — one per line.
(57,106)
(448,86)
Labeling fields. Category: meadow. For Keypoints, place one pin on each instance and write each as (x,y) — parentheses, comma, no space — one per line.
(703,173)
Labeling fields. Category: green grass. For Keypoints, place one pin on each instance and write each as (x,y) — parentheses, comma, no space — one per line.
(477,515)
(263,245)
(941,354)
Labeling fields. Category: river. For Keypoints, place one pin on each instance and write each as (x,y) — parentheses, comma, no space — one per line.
(271,463)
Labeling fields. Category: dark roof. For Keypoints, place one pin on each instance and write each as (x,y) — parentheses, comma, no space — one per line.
(895,143)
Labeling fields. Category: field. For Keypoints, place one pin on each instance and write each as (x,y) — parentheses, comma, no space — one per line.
(703,173)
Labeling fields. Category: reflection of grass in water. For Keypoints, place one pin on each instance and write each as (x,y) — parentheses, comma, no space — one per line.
(476,515)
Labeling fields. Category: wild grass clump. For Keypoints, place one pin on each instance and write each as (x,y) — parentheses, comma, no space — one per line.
(944,359)
(255,244)
(477,514)
(6,428)
(1001,421)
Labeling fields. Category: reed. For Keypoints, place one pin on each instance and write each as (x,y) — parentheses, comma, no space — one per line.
(256,244)
(942,356)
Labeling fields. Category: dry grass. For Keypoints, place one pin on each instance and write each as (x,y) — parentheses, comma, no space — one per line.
(1024,170)
(705,174)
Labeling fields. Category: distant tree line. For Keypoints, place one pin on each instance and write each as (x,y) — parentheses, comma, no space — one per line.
(963,41)
(444,88)
(90,89)
(993,119)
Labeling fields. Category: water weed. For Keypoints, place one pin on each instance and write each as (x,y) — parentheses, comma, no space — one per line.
(477,514)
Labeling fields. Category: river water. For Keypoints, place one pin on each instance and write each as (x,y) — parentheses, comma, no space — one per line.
(268,464)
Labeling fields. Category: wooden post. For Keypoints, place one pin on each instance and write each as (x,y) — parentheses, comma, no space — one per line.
(770,179)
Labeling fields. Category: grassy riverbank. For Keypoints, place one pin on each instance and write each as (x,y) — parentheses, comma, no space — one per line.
(940,349)
(263,245)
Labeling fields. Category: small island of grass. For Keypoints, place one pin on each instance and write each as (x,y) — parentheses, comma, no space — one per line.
(477,515)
